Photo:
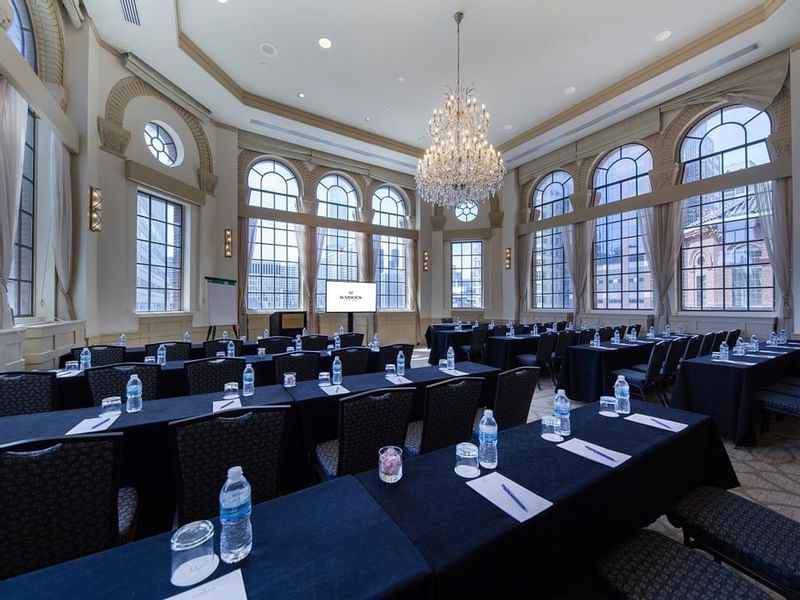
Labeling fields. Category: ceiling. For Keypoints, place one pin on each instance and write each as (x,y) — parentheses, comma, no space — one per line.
(518,54)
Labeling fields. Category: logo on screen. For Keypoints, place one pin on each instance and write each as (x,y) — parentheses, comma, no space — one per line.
(351,296)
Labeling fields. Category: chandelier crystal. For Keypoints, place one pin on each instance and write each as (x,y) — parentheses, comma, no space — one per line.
(460,164)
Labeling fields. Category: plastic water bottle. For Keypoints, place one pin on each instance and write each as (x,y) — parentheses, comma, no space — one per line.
(337,371)
(248,381)
(571,326)
(133,394)
(596,339)
(782,339)
(451,358)
(667,331)
(337,342)
(491,324)
(458,325)
(341,329)
(86,359)
(266,333)
(511,330)
(651,333)
(616,336)
(723,350)
(231,349)
(376,340)
(754,343)
(236,539)
(535,329)
(187,337)
(400,365)
(740,350)
(225,335)
(305,332)
(634,334)
(561,409)
(298,343)
(487,437)
(622,392)
(123,340)
(161,354)
(773,339)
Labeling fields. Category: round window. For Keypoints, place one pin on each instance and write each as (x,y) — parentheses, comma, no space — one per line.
(163,144)
(466,211)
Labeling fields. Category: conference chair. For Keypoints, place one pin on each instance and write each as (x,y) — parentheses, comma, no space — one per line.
(367,422)
(102,355)
(474,350)
(708,342)
(447,319)
(638,328)
(355,361)
(113,380)
(733,336)
(448,414)
(175,350)
(276,344)
(693,347)
(304,364)
(719,337)
(622,331)
(640,382)
(314,342)
(586,336)
(77,508)
(515,389)
(351,339)
(388,355)
(606,333)
(23,392)
(677,348)
(561,326)
(544,353)
(498,331)
(207,375)
(211,347)
(564,341)
(253,438)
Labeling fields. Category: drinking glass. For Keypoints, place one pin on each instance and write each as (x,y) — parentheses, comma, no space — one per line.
(220,354)
(289,379)
(262,352)
(467,460)
(608,406)
(149,359)
(324,378)
(715,355)
(110,406)
(72,365)
(290,348)
(390,369)
(390,464)
(231,390)
(193,557)
(550,425)
(442,363)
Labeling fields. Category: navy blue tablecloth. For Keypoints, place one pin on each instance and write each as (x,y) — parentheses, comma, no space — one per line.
(502,351)
(442,339)
(329,541)
(476,549)
(437,327)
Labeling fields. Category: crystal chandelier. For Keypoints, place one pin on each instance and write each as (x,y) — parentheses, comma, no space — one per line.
(460,164)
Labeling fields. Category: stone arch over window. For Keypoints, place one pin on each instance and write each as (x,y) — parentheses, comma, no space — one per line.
(114,137)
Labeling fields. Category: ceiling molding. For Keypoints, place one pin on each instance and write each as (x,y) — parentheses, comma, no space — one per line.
(721,34)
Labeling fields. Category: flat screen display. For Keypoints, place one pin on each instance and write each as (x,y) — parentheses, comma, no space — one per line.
(350,296)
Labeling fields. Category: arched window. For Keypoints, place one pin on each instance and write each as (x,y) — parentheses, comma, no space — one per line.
(390,262)
(725,225)
(273,281)
(551,285)
(621,270)
(21,33)
(338,260)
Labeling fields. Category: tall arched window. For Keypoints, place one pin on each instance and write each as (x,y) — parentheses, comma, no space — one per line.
(724,226)
(273,281)
(621,270)
(338,248)
(551,285)
(21,33)
(390,259)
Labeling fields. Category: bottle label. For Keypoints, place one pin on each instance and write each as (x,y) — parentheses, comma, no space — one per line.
(233,513)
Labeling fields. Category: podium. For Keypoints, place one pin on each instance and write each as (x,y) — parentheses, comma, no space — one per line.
(287,323)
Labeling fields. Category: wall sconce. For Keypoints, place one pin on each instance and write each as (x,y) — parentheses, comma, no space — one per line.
(426,260)
(95,209)
(508,258)
(228,243)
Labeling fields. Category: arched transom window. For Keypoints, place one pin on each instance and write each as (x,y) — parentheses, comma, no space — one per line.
(391,251)
(551,285)
(338,248)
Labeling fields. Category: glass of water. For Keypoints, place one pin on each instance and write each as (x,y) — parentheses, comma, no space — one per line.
(193,557)
(467,460)
(390,464)
(72,365)
(442,363)
(231,390)
(324,378)
(608,406)
(550,425)
(390,369)
(111,406)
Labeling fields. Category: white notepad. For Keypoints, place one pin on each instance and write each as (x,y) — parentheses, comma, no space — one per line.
(601,348)
(771,352)
(454,372)
(595,452)
(656,422)
(227,587)
(334,390)
(61,374)
(227,404)
(93,425)
(491,487)
(397,379)
(736,362)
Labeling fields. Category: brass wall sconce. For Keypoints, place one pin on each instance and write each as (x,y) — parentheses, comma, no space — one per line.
(508,258)
(426,260)
(95,209)
(228,243)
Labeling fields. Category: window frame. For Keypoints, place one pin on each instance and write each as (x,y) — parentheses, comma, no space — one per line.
(384,245)
(23,20)
(453,270)
(16,280)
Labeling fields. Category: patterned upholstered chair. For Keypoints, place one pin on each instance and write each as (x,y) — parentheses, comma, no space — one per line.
(447,417)
(113,379)
(23,392)
(677,348)
(692,347)
(642,382)
(314,342)
(175,350)
(651,565)
(585,336)
(305,365)
(205,447)
(367,422)
(565,340)
(498,331)
(781,398)
(638,328)
(544,354)
(351,339)
(354,360)
(732,337)
(605,333)
(211,374)
(211,347)
(389,354)
(515,389)
(760,542)
(77,508)
(719,337)
(102,355)
(276,344)
(477,341)
(708,342)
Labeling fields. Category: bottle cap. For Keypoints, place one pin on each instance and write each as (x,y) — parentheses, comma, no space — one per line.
(561,392)
(488,412)
(235,473)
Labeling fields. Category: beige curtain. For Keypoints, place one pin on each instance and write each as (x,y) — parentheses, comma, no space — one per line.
(367,268)
(310,246)
(61,225)
(577,239)
(412,269)
(774,206)
(524,260)
(661,226)
(247,241)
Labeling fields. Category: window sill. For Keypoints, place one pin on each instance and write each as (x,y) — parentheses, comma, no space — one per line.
(177,313)
(698,314)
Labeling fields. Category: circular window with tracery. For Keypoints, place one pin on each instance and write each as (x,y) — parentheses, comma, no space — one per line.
(162,144)
(466,211)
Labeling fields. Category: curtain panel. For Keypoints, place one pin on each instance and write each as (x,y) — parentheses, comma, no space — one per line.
(367,268)
(524,261)
(577,239)
(774,204)
(247,241)
(413,286)
(61,226)
(662,244)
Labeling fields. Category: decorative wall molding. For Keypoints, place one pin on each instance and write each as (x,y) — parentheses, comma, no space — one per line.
(151,178)
(49,35)
(113,137)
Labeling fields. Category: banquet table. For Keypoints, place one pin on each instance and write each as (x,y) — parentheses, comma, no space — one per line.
(726,390)
(329,541)
(437,327)
(442,339)
(501,351)
(477,549)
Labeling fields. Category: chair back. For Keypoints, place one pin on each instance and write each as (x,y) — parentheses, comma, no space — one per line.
(561,326)
(565,340)
(499,330)
(677,348)
(276,344)
(719,337)
(304,364)
(208,375)
(23,392)
(544,352)
(205,447)
(521,329)
(548,325)
(369,421)
(733,336)
(448,412)
(606,333)
(211,347)
(586,337)
(478,339)
(102,355)
(623,329)
(113,380)
(656,362)
(638,328)
(693,347)
(355,361)
(175,350)
(314,342)
(388,354)
(447,319)
(58,500)
(351,339)
(708,341)
(515,389)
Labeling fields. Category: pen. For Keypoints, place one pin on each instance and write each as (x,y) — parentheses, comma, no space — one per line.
(596,451)
(227,404)
(512,496)
(657,422)
(103,422)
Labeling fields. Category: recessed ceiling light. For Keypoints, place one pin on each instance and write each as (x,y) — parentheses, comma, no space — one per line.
(368,118)
(568,91)
(267,49)
(401,79)
(324,43)
(387,108)
(301,95)
(663,36)
(222,1)
(508,127)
